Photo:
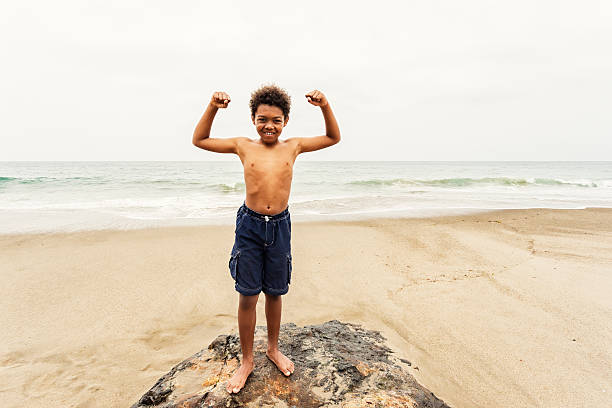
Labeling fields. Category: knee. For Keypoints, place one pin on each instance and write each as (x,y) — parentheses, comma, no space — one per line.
(272,298)
(248,302)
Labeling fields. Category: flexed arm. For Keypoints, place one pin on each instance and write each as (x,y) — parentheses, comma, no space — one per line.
(201,135)
(332,131)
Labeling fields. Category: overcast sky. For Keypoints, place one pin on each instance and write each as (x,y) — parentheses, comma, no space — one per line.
(411,80)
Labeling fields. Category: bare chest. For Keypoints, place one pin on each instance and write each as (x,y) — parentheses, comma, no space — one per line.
(273,164)
(268,168)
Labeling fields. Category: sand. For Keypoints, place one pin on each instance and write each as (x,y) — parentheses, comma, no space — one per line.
(510,308)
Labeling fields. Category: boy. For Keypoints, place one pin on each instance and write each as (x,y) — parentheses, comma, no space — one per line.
(261,255)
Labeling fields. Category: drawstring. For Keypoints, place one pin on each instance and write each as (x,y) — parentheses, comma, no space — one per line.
(266,236)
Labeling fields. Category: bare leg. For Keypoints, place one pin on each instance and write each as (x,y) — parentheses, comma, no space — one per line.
(247,319)
(274,307)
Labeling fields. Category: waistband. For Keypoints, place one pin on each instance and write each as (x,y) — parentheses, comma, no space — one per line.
(281,215)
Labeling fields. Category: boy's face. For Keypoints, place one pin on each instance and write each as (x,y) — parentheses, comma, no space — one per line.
(269,122)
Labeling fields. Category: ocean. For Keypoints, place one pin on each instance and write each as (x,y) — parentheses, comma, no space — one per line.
(74,196)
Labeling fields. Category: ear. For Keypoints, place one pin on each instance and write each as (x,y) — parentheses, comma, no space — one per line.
(253,118)
(286,120)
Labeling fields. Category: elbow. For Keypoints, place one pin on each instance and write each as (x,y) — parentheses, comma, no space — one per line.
(196,140)
(334,136)
(199,134)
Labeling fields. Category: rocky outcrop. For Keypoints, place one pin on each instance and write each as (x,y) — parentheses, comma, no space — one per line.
(336,365)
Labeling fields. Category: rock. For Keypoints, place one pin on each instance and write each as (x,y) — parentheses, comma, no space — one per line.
(336,365)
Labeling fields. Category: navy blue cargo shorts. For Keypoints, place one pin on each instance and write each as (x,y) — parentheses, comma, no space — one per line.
(261,256)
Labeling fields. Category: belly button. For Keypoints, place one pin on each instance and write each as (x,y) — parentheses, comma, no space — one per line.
(268,207)
(252,164)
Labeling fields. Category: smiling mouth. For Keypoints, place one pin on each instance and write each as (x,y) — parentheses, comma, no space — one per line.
(269,133)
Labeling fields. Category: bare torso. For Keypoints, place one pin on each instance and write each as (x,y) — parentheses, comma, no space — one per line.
(268,171)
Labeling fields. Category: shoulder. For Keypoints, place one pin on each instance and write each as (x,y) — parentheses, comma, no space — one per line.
(243,140)
(222,145)
(309,144)
(292,141)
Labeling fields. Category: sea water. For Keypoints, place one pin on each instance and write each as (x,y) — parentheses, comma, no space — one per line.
(72,196)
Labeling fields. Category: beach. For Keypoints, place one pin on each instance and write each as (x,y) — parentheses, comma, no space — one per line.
(508,308)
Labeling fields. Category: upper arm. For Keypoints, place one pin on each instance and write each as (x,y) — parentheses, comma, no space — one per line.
(310,144)
(217,145)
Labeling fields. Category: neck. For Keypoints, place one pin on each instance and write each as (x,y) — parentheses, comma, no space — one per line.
(269,143)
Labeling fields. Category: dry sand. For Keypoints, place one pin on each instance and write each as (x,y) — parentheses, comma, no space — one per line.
(510,308)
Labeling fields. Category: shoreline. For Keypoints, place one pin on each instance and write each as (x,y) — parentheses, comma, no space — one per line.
(362,217)
(498,308)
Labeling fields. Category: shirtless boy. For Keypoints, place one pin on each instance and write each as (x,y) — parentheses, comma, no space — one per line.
(261,255)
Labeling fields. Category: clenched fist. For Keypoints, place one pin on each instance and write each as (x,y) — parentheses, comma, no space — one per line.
(220,100)
(316,98)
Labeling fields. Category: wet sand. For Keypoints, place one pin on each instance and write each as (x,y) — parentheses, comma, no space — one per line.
(502,309)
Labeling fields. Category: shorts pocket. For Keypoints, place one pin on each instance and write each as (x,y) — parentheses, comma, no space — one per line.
(233,265)
(289,267)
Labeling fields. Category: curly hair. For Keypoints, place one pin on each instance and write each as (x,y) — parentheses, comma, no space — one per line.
(270,95)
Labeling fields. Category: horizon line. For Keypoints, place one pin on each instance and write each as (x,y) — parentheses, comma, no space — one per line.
(314,161)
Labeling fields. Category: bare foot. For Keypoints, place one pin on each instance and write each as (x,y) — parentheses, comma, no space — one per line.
(282,362)
(236,383)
